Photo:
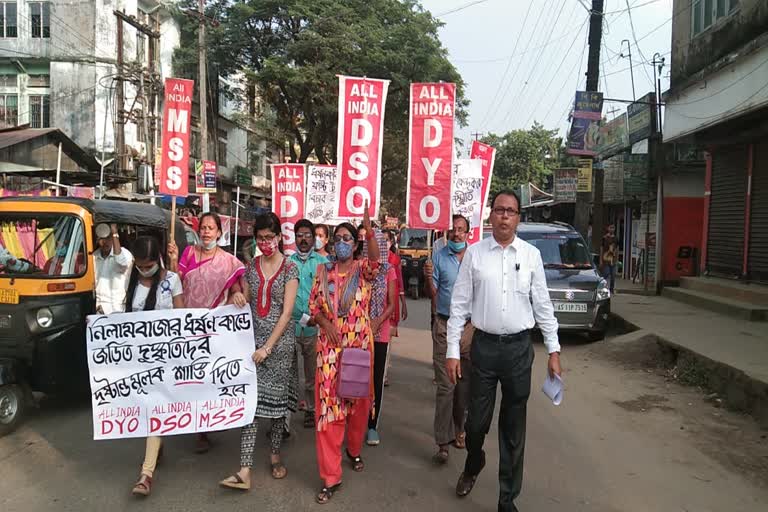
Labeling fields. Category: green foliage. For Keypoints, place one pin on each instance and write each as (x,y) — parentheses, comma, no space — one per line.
(293,50)
(524,156)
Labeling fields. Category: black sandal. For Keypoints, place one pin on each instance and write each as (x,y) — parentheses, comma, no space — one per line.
(309,419)
(326,493)
(357,462)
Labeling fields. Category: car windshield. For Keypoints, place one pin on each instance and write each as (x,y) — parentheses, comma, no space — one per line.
(560,251)
(413,239)
(41,245)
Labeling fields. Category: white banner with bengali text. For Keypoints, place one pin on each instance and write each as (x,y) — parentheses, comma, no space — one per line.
(169,372)
(467,191)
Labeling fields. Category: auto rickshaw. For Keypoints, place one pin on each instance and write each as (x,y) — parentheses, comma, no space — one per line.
(47,289)
(414,249)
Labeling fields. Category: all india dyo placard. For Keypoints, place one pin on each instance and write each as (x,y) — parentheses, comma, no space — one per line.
(430,156)
(169,372)
(360,139)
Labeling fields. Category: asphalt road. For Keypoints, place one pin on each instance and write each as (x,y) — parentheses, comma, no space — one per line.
(624,439)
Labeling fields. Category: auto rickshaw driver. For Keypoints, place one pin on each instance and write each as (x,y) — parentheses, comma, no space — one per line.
(113,269)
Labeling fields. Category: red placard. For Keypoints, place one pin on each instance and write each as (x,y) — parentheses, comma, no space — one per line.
(487,155)
(360,137)
(430,156)
(288,183)
(177,117)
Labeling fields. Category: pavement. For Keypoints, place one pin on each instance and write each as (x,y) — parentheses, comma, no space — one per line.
(738,343)
(624,440)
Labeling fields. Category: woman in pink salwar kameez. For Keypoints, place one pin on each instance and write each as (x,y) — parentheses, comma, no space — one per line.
(210,275)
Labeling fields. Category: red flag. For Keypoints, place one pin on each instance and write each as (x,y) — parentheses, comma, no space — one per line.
(486,154)
(360,137)
(177,117)
(430,156)
(288,183)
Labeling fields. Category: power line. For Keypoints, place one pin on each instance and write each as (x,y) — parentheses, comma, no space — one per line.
(554,74)
(506,71)
(640,50)
(500,59)
(580,62)
(461,8)
(516,106)
(512,81)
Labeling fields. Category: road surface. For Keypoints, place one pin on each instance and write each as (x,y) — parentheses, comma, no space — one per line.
(624,439)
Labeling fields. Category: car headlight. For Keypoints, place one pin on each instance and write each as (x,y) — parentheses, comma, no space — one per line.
(44,318)
(603,292)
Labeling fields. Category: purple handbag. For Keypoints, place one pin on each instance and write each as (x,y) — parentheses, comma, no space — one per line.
(355,375)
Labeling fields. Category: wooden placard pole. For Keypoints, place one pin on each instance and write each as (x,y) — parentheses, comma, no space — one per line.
(173,219)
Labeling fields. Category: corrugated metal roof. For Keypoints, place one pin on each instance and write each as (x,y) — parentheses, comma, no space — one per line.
(13,136)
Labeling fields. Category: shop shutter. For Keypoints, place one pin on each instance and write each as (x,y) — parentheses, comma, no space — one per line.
(725,244)
(757,264)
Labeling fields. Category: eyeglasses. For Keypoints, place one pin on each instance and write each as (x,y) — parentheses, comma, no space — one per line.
(460,231)
(509,212)
(305,236)
(269,238)
(346,238)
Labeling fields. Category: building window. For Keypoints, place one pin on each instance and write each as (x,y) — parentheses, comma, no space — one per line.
(40,16)
(40,111)
(705,13)
(8,14)
(9,110)
(222,148)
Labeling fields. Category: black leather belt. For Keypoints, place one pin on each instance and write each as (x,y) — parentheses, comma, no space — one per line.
(503,338)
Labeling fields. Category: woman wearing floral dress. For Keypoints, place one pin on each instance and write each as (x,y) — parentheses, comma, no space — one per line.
(272,282)
(339,303)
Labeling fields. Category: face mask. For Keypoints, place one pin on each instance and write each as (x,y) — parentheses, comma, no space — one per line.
(149,273)
(268,248)
(456,246)
(61,252)
(211,245)
(319,244)
(343,250)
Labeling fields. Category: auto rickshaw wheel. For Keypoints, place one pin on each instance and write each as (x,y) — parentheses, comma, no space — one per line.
(13,406)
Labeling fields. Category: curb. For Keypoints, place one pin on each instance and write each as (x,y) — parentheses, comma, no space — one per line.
(739,391)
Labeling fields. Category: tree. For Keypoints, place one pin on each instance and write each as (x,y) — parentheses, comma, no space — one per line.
(293,50)
(524,156)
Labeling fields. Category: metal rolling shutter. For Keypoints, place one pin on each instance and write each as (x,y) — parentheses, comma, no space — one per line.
(757,263)
(725,244)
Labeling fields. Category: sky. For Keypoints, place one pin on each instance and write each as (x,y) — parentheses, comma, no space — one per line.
(523,60)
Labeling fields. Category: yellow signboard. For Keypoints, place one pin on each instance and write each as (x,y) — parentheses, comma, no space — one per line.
(584,183)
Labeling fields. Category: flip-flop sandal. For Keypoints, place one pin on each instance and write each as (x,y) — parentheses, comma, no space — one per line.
(303,405)
(278,471)
(461,441)
(238,483)
(357,462)
(326,493)
(143,487)
(309,420)
(441,457)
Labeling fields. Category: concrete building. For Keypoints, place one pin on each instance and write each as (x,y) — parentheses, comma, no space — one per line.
(58,60)
(718,101)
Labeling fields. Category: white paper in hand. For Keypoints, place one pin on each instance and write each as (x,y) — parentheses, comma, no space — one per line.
(553,388)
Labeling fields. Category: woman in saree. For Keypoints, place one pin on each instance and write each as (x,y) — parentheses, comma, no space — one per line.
(339,304)
(211,277)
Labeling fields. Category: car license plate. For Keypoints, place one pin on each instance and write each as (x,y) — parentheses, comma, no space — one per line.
(570,307)
(9,296)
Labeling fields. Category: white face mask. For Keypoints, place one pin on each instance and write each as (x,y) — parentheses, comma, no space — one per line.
(211,245)
(149,273)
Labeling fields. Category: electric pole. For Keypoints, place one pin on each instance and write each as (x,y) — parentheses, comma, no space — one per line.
(203,88)
(583,199)
(476,135)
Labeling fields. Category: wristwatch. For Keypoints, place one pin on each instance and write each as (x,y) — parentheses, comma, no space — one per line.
(115,235)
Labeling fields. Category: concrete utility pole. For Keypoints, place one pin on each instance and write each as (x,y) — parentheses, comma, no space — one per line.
(120,100)
(583,199)
(203,88)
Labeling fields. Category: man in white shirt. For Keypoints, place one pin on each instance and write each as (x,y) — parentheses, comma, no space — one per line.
(113,270)
(501,286)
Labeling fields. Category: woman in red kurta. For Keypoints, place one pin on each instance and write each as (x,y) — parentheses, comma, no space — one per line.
(339,304)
